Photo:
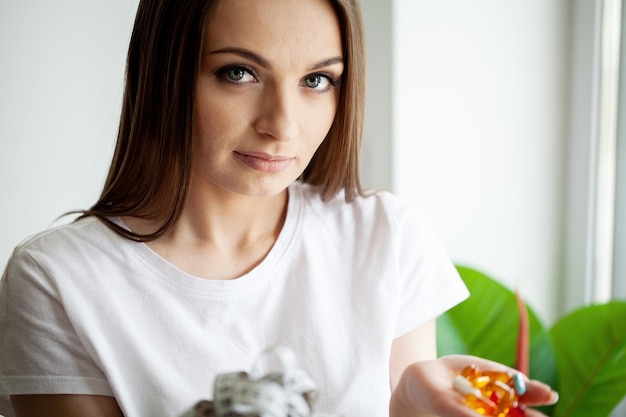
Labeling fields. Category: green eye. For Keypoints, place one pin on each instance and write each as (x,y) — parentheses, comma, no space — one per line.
(236,74)
(319,83)
(314,81)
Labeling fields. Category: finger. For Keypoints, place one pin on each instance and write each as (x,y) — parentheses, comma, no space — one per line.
(452,407)
(539,393)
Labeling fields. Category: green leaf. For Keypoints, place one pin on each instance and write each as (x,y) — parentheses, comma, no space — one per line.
(486,325)
(590,347)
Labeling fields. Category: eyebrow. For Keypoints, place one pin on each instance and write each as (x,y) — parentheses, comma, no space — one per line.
(245,53)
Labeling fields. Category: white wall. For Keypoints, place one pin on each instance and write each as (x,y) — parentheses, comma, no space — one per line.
(60,94)
(479,132)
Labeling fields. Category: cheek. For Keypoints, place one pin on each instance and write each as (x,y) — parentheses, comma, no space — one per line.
(319,125)
(213,123)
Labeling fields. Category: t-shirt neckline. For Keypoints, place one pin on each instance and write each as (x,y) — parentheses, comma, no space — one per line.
(259,274)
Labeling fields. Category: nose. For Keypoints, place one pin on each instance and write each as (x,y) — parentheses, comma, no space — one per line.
(278,113)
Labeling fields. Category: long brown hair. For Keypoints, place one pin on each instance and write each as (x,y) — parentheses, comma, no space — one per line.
(150,172)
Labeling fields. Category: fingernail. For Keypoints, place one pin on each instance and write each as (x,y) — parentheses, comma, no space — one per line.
(554,398)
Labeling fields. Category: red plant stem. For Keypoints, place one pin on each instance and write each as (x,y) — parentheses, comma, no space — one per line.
(523,336)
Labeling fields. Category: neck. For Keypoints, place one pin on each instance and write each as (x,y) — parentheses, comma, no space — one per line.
(229,219)
(222,236)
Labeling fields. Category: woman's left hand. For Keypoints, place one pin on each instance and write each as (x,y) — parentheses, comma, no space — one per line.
(425,389)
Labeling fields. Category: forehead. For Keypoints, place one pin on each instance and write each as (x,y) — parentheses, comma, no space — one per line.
(275,28)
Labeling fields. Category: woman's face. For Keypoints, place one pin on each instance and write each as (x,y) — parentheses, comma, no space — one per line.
(266,94)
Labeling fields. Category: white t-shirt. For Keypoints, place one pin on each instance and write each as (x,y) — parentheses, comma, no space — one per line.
(85,311)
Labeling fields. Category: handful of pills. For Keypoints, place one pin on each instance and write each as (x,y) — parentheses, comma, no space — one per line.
(491,393)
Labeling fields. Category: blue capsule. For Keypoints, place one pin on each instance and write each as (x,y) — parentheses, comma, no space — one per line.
(520,384)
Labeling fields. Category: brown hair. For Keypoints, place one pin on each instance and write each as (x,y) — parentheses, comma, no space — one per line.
(150,172)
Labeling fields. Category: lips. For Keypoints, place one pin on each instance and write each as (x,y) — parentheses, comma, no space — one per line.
(264,162)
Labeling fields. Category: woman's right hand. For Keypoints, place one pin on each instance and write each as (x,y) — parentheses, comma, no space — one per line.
(56,405)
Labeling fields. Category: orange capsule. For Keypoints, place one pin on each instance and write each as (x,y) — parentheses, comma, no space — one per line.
(489,393)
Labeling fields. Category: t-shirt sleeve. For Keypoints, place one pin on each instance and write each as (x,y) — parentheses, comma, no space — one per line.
(430,283)
(40,353)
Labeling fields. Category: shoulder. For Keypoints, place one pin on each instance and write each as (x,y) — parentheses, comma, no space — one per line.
(88,229)
(375,205)
(372,200)
(82,256)
(379,214)
(66,242)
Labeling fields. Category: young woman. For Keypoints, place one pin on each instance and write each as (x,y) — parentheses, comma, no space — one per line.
(232,220)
